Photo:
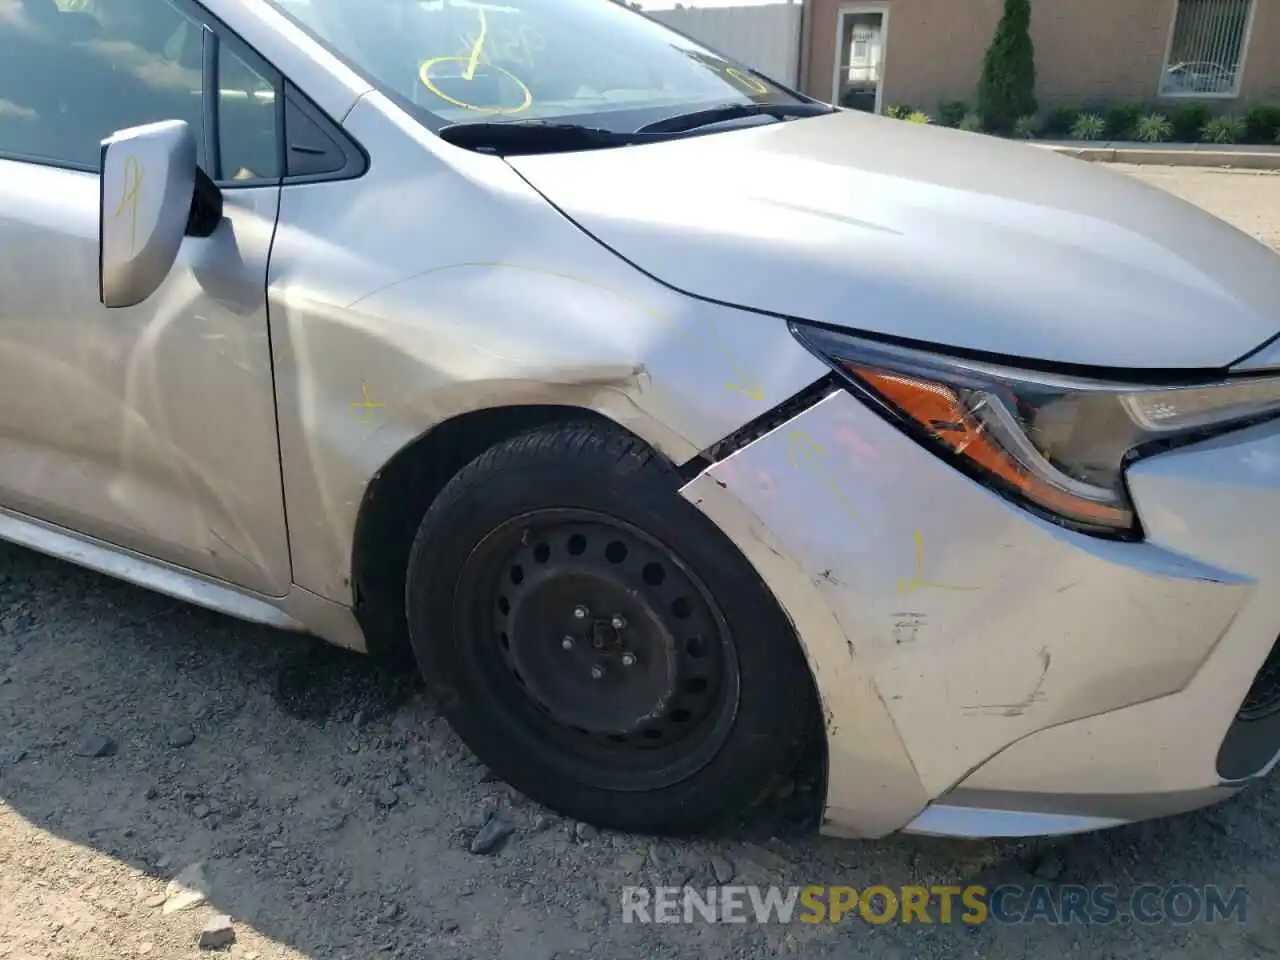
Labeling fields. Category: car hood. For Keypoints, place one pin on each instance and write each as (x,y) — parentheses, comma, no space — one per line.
(948,238)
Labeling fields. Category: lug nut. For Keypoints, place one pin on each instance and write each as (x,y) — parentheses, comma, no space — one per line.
(597,673)
(580,612)
(618,622)
(567,643)
(628,659)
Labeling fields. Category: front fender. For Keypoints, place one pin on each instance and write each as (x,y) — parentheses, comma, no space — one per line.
(383,328)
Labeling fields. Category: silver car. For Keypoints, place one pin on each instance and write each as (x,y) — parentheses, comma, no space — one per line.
(673,422)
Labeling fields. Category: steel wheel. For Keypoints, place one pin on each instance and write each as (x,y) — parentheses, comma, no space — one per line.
(598,642)
(606,644)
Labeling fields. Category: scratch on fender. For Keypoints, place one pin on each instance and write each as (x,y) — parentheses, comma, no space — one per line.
(1026,703)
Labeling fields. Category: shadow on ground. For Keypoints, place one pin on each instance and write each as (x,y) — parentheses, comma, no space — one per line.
(332,810)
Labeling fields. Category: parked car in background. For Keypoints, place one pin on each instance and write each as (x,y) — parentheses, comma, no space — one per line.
(671,421)
(1198,76)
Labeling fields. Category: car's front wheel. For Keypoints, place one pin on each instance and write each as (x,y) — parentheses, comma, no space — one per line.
(597,641)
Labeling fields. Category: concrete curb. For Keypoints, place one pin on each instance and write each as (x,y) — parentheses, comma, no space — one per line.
(1189,155)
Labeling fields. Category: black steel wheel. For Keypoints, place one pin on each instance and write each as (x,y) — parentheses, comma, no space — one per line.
(597,641)
(615,653)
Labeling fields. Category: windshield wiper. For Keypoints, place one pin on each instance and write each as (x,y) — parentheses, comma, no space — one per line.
(510,137)
(734,111)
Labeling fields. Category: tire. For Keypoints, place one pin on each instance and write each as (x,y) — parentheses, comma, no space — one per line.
(506,566)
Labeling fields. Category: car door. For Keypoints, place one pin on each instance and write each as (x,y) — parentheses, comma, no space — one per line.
(151,428)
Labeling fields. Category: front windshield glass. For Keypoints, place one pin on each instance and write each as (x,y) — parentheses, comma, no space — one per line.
(590,62)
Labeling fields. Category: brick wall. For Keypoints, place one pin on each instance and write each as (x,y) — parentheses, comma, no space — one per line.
(1261,80)
(1099,50)
(1086,50)
(934,49)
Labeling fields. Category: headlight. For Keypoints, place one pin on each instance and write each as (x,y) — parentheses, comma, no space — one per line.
(1058,444)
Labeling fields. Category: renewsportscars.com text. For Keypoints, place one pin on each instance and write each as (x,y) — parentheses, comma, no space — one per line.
(1006,904)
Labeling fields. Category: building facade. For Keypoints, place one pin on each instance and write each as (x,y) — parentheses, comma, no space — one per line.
(871,55)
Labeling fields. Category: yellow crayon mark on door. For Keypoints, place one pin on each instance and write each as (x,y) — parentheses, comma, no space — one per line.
(367,404)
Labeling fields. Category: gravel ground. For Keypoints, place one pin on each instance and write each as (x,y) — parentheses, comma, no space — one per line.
(319,808)
(1248,198)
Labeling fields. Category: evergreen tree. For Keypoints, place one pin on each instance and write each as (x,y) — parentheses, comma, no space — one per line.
(1007,90)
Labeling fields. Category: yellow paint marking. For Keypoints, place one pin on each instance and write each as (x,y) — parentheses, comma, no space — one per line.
(472,61)
(368,404)
(753,392)
(424,76)
(131,196)
(476,48)
(741,383)
(917,580)
(748,82)
(802,449)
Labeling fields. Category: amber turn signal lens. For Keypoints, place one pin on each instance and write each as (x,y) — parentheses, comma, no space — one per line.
(937,410)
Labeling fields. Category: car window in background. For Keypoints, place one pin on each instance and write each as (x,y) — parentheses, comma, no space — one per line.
(591,61)
(72,72)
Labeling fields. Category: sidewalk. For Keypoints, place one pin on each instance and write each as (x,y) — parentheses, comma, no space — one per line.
(1237,156)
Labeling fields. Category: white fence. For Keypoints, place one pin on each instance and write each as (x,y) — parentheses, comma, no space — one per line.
(765,36)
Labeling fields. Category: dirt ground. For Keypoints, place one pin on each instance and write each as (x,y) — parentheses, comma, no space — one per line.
(329,812)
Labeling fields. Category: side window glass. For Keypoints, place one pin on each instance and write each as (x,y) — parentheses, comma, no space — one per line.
(248,128)
(74,71)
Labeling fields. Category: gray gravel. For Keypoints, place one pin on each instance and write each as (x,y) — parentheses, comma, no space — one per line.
(169,777)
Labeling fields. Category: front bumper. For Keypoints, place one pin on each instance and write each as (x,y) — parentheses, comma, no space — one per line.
(984,672)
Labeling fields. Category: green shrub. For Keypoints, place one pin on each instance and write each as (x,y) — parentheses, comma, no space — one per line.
(1095,107)
(1224,129)
(1153,128)
(1089,126)
(972,122)
(1007,89)
(899,112)
(1121,118)
(951,113)
(1028,127)
(1262,123)
(1060,120)
(918,116)
(1188,121)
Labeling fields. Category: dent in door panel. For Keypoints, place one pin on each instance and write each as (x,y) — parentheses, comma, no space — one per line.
(151,427)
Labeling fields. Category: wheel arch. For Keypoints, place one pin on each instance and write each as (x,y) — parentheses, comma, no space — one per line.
(405,487)
(411,480)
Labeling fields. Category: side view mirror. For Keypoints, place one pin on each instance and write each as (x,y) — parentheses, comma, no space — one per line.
(152,195)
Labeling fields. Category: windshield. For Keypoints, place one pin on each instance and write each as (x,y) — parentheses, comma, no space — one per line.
(593,62)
